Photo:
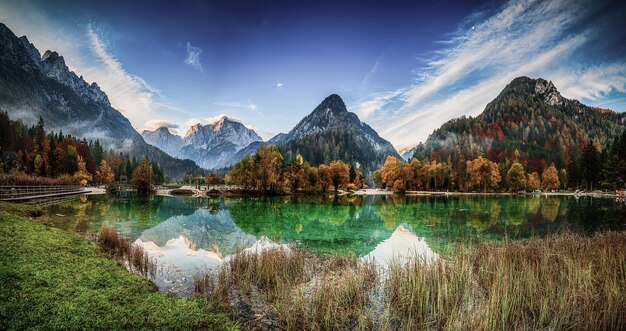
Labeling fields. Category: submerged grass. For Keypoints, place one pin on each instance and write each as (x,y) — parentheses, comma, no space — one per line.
(560,282)
(121,248)
(52,279)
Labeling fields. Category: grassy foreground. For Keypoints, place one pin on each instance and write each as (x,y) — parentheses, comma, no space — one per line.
(52,279)
(562,282)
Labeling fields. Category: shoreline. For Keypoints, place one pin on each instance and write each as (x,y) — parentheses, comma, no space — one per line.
(228,192)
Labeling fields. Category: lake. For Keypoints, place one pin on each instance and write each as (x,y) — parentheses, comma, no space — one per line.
(190,235)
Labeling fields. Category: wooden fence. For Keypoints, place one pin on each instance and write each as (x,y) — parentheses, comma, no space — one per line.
(27,192)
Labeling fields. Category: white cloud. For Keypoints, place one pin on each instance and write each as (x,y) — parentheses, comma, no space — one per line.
(128,93)
(193,57)
(158,123)
(249,105)
(279,86)
(523,38)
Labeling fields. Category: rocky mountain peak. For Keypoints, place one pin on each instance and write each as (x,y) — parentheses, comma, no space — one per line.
(332,104)
(549,92)
(31,50)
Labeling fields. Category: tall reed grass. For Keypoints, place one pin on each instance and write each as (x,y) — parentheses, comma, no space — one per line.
(121,248)
(560,282)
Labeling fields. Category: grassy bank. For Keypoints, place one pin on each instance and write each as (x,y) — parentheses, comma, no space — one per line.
(563,282)
(52,279)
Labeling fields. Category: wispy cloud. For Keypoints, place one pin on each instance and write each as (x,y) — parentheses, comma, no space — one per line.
(248,105)
(159,123)
(130,94)
(523,37)
(193,57)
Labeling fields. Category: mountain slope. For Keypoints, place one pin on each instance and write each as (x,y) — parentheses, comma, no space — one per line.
(163,139)
(32,86)
(330,132)
(528,121)
(212,146)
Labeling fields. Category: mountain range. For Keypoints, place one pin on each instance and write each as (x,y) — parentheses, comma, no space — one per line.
(211,146)
(328,133)
(529,121)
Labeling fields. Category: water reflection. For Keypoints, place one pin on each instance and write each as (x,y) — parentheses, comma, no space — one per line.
(188,235)
(401,246)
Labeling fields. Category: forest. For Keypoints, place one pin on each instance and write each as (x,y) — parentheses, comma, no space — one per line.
(29,152)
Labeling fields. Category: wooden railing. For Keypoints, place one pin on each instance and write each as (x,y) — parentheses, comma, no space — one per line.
(26,192)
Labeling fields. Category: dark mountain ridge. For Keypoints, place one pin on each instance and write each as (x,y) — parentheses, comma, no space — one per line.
(33,86)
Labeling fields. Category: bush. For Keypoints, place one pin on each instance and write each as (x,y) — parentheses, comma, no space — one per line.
(24,179)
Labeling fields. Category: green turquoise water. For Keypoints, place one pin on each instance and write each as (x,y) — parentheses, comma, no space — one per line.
(324,224)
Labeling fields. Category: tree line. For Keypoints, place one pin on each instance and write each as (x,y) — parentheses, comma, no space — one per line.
(64,157)
(267,172)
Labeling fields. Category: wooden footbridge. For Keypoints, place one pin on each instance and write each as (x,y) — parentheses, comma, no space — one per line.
(26,193)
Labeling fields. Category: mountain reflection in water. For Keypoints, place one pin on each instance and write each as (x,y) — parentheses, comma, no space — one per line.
(190,235)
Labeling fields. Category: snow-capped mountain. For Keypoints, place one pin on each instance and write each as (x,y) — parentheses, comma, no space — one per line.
(163,139)
(212,146)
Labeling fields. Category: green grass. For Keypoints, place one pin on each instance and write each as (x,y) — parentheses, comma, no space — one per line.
(21,209)
(52,279)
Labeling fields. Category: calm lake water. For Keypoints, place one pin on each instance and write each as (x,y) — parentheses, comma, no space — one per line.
(189,235)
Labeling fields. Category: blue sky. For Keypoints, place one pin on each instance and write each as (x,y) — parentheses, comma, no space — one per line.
(404,67)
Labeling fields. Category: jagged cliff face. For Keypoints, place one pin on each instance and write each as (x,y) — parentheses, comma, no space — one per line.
(549,93)
(331,132)
(212,146)
(33,85)
(224,130)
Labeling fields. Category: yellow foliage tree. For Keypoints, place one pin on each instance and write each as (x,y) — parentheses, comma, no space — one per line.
(550,178)
(104,174)
(339,174)
(516,177)
(483,174)
(533,181)
(83,175)
(142,177)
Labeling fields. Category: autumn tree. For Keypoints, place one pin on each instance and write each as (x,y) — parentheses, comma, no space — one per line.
(268,163)
(296,173)
(243,173)
(104,174)
(83,175)
(550,178)
(212,179)
(339,174)
(516,177)
(142,177)
(358,182)
(438,172)
(533,181)
(325,181)
(389,171)
(483,173)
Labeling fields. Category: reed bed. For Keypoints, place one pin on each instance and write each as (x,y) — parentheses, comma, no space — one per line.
(121,248)
(560,282)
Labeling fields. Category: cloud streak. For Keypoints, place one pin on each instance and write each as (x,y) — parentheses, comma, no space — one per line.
(128,93)
(193,57)
(522,38)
